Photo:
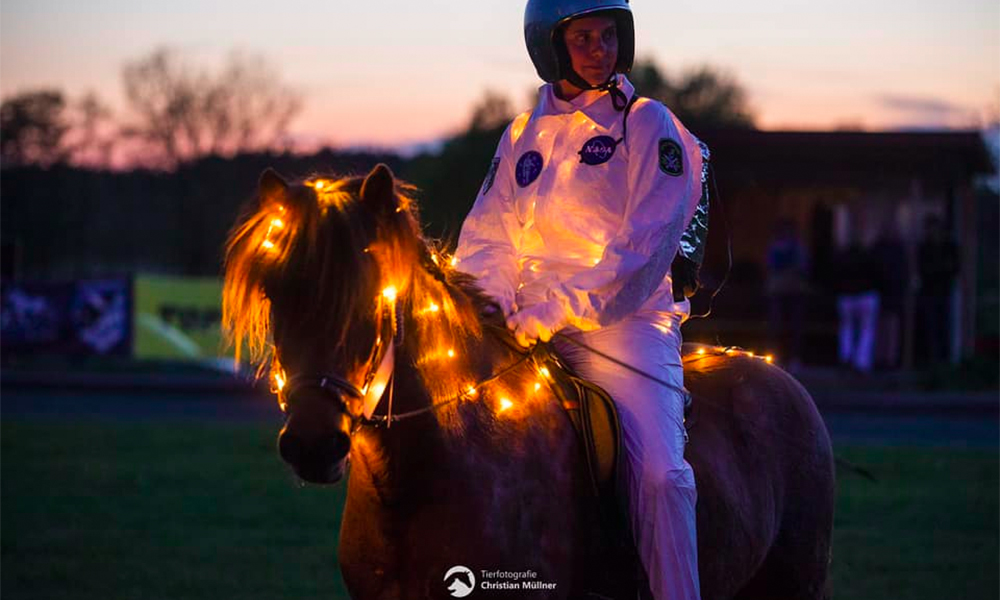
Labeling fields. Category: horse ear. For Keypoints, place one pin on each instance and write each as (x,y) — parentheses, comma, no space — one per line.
(379,188)
(271,186)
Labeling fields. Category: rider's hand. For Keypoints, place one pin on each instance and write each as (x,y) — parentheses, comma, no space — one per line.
(538,322)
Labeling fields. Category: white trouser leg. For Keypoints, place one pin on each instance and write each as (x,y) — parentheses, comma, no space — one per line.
(867,314)
(845,310)
(660,483)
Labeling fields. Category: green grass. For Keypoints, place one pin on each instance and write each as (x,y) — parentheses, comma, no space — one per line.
(928,528)
(137,510)
(123,511)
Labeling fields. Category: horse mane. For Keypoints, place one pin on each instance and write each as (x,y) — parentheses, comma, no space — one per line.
(301,254)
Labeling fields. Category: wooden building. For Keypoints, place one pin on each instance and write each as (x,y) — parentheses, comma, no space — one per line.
(835,185)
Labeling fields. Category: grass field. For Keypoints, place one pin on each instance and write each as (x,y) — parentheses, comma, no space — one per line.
(108,511)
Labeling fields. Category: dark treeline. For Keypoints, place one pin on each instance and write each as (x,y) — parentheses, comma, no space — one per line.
(63,222)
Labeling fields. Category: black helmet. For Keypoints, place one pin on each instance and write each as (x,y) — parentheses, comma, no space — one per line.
(543,19)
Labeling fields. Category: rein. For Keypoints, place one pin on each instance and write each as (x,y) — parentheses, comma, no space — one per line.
(387,419)
(380,374)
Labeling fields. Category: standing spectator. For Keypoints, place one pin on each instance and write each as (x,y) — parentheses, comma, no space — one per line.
(894,267)
(856,281)
(937,262)
(786,288)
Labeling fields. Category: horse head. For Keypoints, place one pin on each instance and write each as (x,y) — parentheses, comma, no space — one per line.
(307,289)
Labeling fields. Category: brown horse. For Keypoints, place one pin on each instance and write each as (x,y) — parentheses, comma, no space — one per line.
(465,473)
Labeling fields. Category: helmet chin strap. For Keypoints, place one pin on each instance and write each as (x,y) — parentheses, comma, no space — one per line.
(618,99)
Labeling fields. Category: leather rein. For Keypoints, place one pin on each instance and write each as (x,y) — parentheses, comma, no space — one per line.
(379,376)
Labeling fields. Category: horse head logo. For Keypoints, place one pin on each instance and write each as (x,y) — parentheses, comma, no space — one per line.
(460,581)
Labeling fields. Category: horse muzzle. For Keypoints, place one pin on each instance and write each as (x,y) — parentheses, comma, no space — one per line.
(316,457)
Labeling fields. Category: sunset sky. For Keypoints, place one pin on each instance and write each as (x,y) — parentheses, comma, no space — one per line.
(391,73)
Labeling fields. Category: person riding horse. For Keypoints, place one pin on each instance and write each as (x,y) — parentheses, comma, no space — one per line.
(574,231)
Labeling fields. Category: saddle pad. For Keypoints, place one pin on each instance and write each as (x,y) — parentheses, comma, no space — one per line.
(595,419)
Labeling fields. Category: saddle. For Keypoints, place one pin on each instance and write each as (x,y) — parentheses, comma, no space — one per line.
(595,418)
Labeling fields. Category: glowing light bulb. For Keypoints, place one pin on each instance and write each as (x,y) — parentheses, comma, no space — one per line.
(451,353)
(389,293)
(281,208)
(505,403)
(277,223)
(545,372)
(701,352)
(268,244)
(319,185)
(750,354)
(433,308)
(769,359)
(538,386)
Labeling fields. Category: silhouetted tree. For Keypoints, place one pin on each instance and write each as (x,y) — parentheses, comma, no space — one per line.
(183,112)
(449,179)
(703,97)
(93,132)
(492,112)
(32,126)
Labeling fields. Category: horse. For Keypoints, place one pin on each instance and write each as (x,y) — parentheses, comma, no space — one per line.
(465,474)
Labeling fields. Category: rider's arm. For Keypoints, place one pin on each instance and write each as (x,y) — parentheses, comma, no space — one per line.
(491,233)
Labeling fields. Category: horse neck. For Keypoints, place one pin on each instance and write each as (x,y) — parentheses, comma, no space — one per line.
(462,467)
(442,353)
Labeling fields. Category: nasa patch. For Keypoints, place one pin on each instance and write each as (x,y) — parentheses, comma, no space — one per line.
(529,166)
(491,174)
(671,158)
(598,150)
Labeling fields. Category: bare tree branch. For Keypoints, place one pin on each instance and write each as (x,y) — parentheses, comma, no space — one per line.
(184,113)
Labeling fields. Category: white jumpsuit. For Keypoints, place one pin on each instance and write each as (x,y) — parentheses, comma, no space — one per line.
(573,220)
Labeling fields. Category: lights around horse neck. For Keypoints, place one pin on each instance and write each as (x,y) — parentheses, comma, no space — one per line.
(731,351)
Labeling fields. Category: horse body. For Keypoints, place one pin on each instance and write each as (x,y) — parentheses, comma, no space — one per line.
(494,479)
(764,469)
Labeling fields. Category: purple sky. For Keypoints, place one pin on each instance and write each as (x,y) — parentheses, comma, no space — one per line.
(394,73)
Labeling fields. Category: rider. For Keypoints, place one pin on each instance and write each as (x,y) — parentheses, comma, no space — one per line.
(574,230)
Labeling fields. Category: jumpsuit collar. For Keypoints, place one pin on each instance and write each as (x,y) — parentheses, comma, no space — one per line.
(550,104)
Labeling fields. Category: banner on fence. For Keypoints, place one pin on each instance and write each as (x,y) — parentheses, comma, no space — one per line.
(86,317)
(178,318)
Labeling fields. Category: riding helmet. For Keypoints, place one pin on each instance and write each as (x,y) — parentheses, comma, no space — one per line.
(543,19)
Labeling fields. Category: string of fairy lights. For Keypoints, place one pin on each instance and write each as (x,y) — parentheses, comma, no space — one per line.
(433,309)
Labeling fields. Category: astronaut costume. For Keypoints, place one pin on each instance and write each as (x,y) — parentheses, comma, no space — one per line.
(574,230)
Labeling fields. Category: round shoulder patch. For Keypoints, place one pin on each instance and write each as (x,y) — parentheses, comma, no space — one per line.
(529,166)
(598,150)
(671,158)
